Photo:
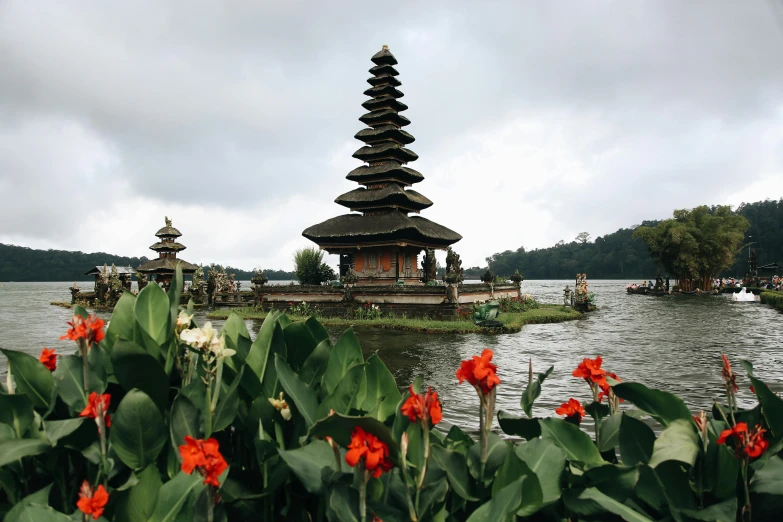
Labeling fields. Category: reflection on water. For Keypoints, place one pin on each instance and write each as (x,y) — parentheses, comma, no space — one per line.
(669,342)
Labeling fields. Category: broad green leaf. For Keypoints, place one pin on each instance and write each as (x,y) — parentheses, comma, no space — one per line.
(344,396)
(725,511)
(547,461)
(636,441)
(382,388)
(533,390)
(57,429)
(458,440)
(769,479)
(185,420)
(39,513)
(577,444)
(345,353)
(174,293)
(237,337)
(6,432)
(123,321)
(317,330)
(13,450)
(300,343)
(771,405)
(512,470)
(70,381)
(433,497)
(137,503)
(32,379)
(519,426)
(502,506)
(307,462)
(270,340)
(172,497)
(456,468)
(342,504)
(723,468)
(679,441)
(610,432)
(496,454)
(40,497)
(315,364)
(591,502)
(153,313)
(138,432)
(663,406)
(297,392)
(135,368)
(16,411)
(339,427)
(227,405)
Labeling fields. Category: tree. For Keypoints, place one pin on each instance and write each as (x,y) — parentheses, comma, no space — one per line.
(310,268)
(583,237)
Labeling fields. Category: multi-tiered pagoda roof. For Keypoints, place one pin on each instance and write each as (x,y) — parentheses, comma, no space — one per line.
(167,248)
(384,200)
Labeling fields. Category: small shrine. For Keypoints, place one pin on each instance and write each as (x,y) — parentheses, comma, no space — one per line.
(102,274)
(380,241)
(167,247)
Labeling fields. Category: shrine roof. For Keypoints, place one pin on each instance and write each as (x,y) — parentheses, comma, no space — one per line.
(391,194)
(385,171)
(168,245)
(394,225)
(166,265)
(122,270)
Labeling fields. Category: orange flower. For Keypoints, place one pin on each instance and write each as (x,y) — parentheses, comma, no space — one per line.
(573,409)
(48,358)
(374,451)
(92,502)
(605,388)
(205,456)
(423,406)
(479,371)
(750,444)
(89,329)
(591,371)
(98,407)
(729,377)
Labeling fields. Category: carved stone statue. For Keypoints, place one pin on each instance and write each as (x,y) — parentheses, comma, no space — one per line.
(567,296)
(168,221)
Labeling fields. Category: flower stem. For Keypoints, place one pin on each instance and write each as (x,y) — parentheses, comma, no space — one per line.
(208,413)
(746,507)
(218,378)
(363,494)
(9,381)
(279,435)
(426,434)
(84,349)
(483,437)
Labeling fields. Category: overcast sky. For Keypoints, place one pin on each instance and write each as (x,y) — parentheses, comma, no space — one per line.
(534,121)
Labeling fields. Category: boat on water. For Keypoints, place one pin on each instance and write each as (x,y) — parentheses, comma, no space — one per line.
(744,297)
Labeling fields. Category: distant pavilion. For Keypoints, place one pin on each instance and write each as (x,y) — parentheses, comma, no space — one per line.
(125,273)
(162,270)
(382,241)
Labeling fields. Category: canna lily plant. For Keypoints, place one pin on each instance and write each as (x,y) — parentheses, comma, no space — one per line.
(156,418)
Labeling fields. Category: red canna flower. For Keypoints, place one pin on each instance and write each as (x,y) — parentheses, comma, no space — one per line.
(591,371)
(752,389)
(606,389)
(92,502)
(747,444)
(423,406)
(48,358)
(205,456)
(374,451)
(90,329)
(479,371)
(572,409)
(97,408)
(729,377)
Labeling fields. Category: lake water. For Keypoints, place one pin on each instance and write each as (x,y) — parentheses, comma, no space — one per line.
(673,343)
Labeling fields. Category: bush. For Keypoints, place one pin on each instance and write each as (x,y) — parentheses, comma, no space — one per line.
(158,419)
(310,268)
(772,298)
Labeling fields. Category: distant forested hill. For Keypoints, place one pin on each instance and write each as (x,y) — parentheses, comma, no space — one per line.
(619,256)
(27,264)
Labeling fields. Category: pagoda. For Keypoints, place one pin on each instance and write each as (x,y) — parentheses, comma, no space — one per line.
(167,248)
(381,241)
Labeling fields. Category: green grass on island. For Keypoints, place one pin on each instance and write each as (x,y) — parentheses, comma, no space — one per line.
(512,321)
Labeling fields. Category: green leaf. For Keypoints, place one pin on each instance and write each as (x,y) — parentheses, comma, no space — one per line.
(663,406)
(308,462)
(237,337)
(533,390)
(512,470)
(345,353)
(39,513)
(13,450)
(6,432)
(339,427)
(381,387)
(172,497)
(70,382)
(57,429)
(315,364)
(39,497)
(153,313)
(725,511)
(270,340)
(455,466)
(592,502)
(32,379)
(123,320)
(496,454)
(636,441)
(344,396)
(610,432)
(185,420)
(679,441)
(771,405)
(227,405)
(138,432)
(135,368)
(297,391)
(137,503)
(342,503)
(519,426)
(16,411)
(317,330)
(547,461)
(577,444)
(458,440)
(300,344)
(502,506)
(769,479)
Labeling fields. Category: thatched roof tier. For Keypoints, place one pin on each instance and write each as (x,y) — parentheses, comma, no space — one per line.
(383,70)
(388,151)
(384,90)
(166,265)
(168,246)
(392,195)
(389,228)
(121,270)
(385,133)
(384,57)
(385,102)
(168,231)
(384,117)
(389,171)
(386,79)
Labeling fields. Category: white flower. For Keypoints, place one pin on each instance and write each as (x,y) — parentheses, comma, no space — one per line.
(281,406)
(217,345)
(194,337)
(183,319)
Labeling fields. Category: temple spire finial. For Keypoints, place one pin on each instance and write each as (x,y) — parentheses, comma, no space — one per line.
(168,221)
